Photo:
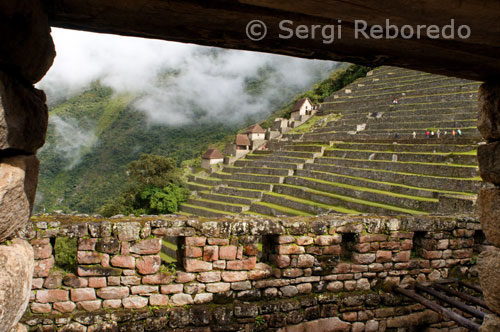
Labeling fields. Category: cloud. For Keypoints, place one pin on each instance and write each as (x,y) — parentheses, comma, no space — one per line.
(177,83)
(72,141)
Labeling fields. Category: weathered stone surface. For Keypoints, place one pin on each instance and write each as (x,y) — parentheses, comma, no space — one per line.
(147,247)
(15,281)
(23,116)
(18,181)
(181,299)
(488,157)
(489,275)
(135,302)
(491,323)
(25,43)
(148,264)
(489,111)
(489,214)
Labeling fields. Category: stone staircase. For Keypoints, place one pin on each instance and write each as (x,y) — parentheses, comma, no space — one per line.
(356,163)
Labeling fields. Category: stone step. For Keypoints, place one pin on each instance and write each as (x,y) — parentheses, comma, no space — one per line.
(306,148)
(288,202)
(206,181)
(197,187)
(432,148)
(249,185)
(449,115)
(400,126)
(368,183)
(270,164)
(415,180)
(257,178)
(367,194)
(226,198)
(471,134)
(275,210)
(216,205)
(451,158)
(341,200)
(200,211)
(231,191)
(285,159)
(410,83)
(438,88)
(296,154)
(259,170)
(348,109)
(406,167)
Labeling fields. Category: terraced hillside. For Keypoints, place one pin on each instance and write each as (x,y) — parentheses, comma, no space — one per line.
(365,161)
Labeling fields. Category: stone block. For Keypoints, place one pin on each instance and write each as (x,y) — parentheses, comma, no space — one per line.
(127,231)
(88,257)
(172,289)
(148,264)
(134,302)
(127,262)
(162,278)
(488,157)
(52,295)
(489,276)
(112,293)
(210,253)
(15,280)
(23,115)
(489,111)
(83,294)
(290,249)
(209,277)
(489,214)
(146,247)
(181,299)
(158,300)
(196,241)
(73,281)
(63,307)
(227,252)
(18,182)
(97,282)
(228,276)
(196,265)
(218,287)
(93,305)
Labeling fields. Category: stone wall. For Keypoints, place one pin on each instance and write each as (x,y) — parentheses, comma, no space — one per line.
(489,198)
(244,273)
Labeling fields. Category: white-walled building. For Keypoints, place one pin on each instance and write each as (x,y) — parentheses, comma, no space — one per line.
(255,133)
(211,157)
(302,107)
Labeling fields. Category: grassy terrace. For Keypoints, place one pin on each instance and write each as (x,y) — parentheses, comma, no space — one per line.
(403,162)
(396,184)
(335,208)
(375,191)
(360,183)
(359,201)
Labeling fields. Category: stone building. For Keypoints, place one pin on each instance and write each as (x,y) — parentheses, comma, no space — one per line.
(211,157)
(255,133)
(301,108)
(242,142)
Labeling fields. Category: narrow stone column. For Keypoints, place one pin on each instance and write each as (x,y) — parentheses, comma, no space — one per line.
(489,200)
(26,53)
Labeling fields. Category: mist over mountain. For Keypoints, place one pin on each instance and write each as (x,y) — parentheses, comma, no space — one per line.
(114,98)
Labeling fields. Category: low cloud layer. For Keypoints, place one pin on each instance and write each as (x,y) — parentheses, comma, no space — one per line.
(72,141)
(176,83)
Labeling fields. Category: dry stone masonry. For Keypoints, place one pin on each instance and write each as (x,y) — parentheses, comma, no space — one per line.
(489,199)
(26,53)
(244,273)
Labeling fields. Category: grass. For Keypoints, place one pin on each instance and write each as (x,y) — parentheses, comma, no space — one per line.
(448,154)
(405,173)
(394,184)
(374,191)
(284,209)
(405,162)
(316,204)
(359,201)
(208,209)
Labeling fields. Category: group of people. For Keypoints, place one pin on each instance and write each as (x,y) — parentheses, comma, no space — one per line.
(438,133)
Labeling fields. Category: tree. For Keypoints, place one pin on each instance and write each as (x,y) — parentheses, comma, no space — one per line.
(153,187)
